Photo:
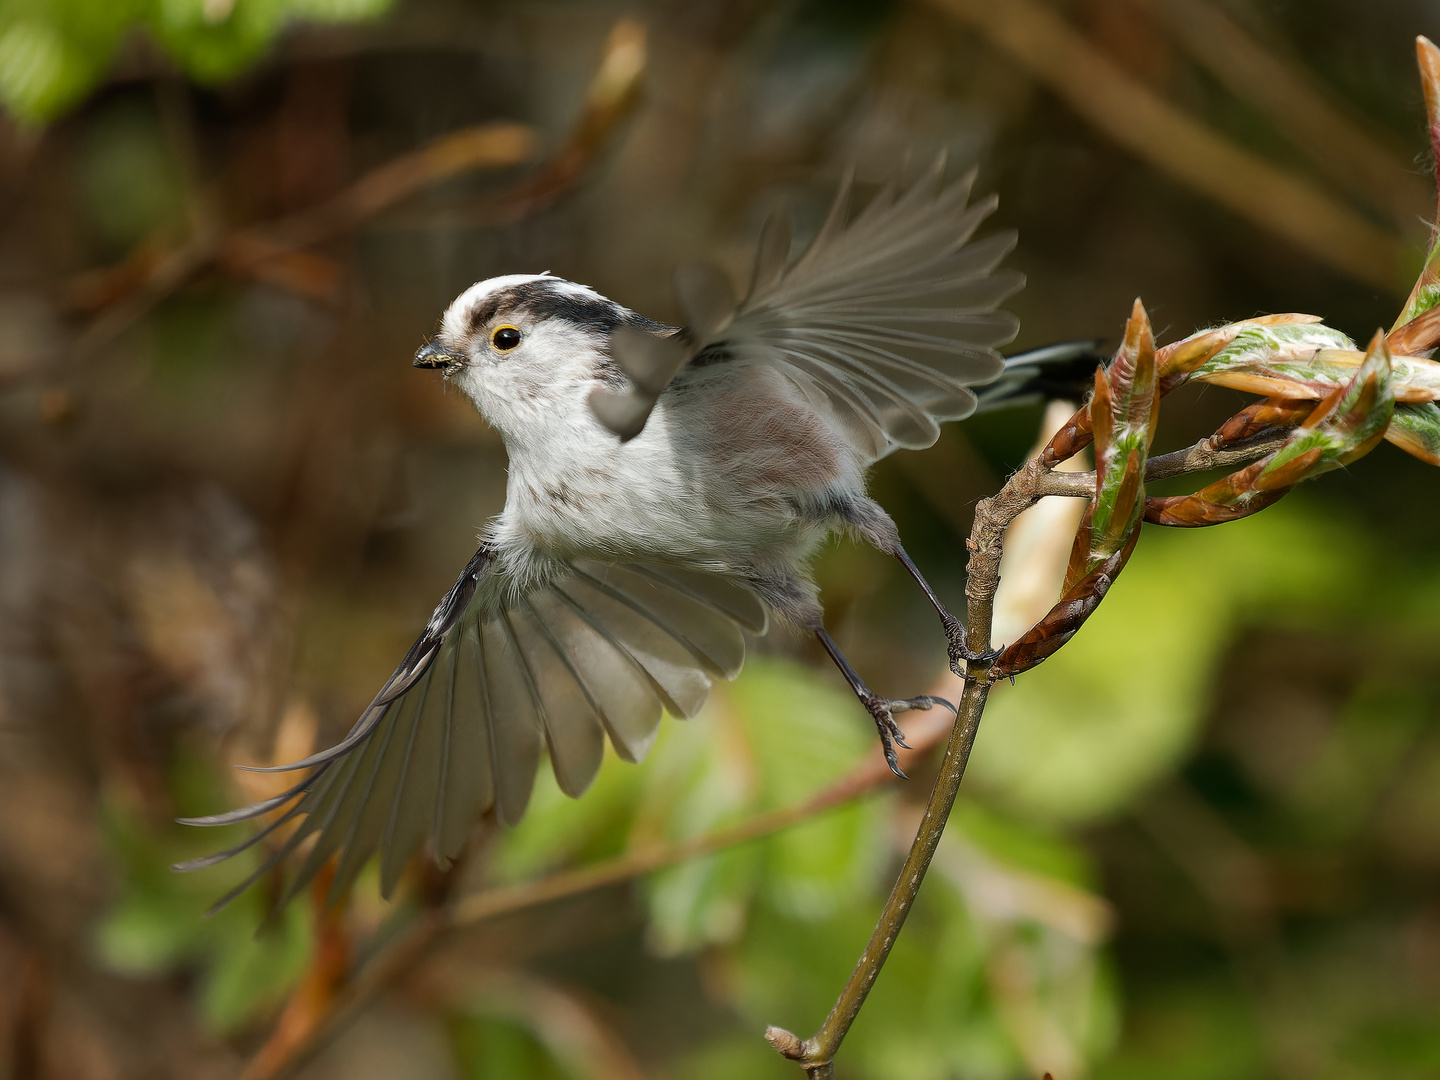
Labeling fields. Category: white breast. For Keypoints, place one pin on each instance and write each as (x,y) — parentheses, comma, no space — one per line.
(731,473)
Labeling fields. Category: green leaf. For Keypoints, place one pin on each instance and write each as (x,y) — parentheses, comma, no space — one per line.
(558,831)
(500,1048)
(776,736)
(41,73)
(130,187)
(1274,344)
(52,52)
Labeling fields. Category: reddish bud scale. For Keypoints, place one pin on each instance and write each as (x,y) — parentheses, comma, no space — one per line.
(1102,422)
(1063,620)
(1422,296)
(1075,435)
(1284,477)
(1230,498)
(1175,361)
(1418,336)
(1261,418)
(1416,430)
(1361,450)
(1195,511)
(1076,568)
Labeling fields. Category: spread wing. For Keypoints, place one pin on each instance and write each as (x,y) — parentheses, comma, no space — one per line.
(888,318)
(458,729)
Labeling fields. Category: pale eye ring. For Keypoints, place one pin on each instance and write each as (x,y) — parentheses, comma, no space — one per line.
(505,338)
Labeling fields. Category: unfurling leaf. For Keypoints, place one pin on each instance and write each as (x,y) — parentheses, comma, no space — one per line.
(1306,366)
(1174,365)
(1426,293)
(1272,414)
(1416,430)
(1123,414)
(1345,426)
(1418,336)
(1266,359)
(1063,620)
(1177,361)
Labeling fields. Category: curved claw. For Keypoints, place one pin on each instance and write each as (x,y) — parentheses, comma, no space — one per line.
(960,649)
(891,758)
(887,725)
(894,763)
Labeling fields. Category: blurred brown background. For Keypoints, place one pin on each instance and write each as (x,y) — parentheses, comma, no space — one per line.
(1204,842)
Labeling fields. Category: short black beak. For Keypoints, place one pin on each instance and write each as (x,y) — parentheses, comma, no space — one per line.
(434,355)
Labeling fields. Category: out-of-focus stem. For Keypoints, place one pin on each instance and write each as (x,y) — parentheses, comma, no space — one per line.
(1134,116)
(816,1054)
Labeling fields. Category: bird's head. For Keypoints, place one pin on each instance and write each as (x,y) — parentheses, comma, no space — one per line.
(529,348)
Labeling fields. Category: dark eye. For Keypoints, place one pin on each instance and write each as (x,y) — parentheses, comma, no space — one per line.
(505,338)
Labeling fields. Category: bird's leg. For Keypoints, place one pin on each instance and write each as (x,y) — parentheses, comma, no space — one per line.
(881,709)
(867,518)
(954,631)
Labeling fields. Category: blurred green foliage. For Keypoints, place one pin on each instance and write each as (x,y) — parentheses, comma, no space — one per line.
(496,1048)
(53,51)
(158,922)
(1003,964)
(129,182)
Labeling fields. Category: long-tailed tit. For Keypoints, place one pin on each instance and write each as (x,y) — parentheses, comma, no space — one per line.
(666,491)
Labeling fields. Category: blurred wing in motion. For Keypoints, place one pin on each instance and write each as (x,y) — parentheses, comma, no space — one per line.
(459,727)
(888,318)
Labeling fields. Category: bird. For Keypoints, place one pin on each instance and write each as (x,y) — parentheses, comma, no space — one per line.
(667,488)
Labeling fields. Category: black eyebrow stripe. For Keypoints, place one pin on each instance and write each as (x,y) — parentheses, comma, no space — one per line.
(485,310)
(553,298)
(547,298)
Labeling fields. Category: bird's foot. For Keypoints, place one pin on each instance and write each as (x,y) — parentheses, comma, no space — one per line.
(962,657)
(883,710)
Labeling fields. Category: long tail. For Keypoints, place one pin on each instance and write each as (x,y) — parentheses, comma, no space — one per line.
(1065,370)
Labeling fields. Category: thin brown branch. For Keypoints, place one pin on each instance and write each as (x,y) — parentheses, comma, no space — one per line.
(1202,457)
(485,146)
(1133,115)
(138,284)
(493,903)
(273,251)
